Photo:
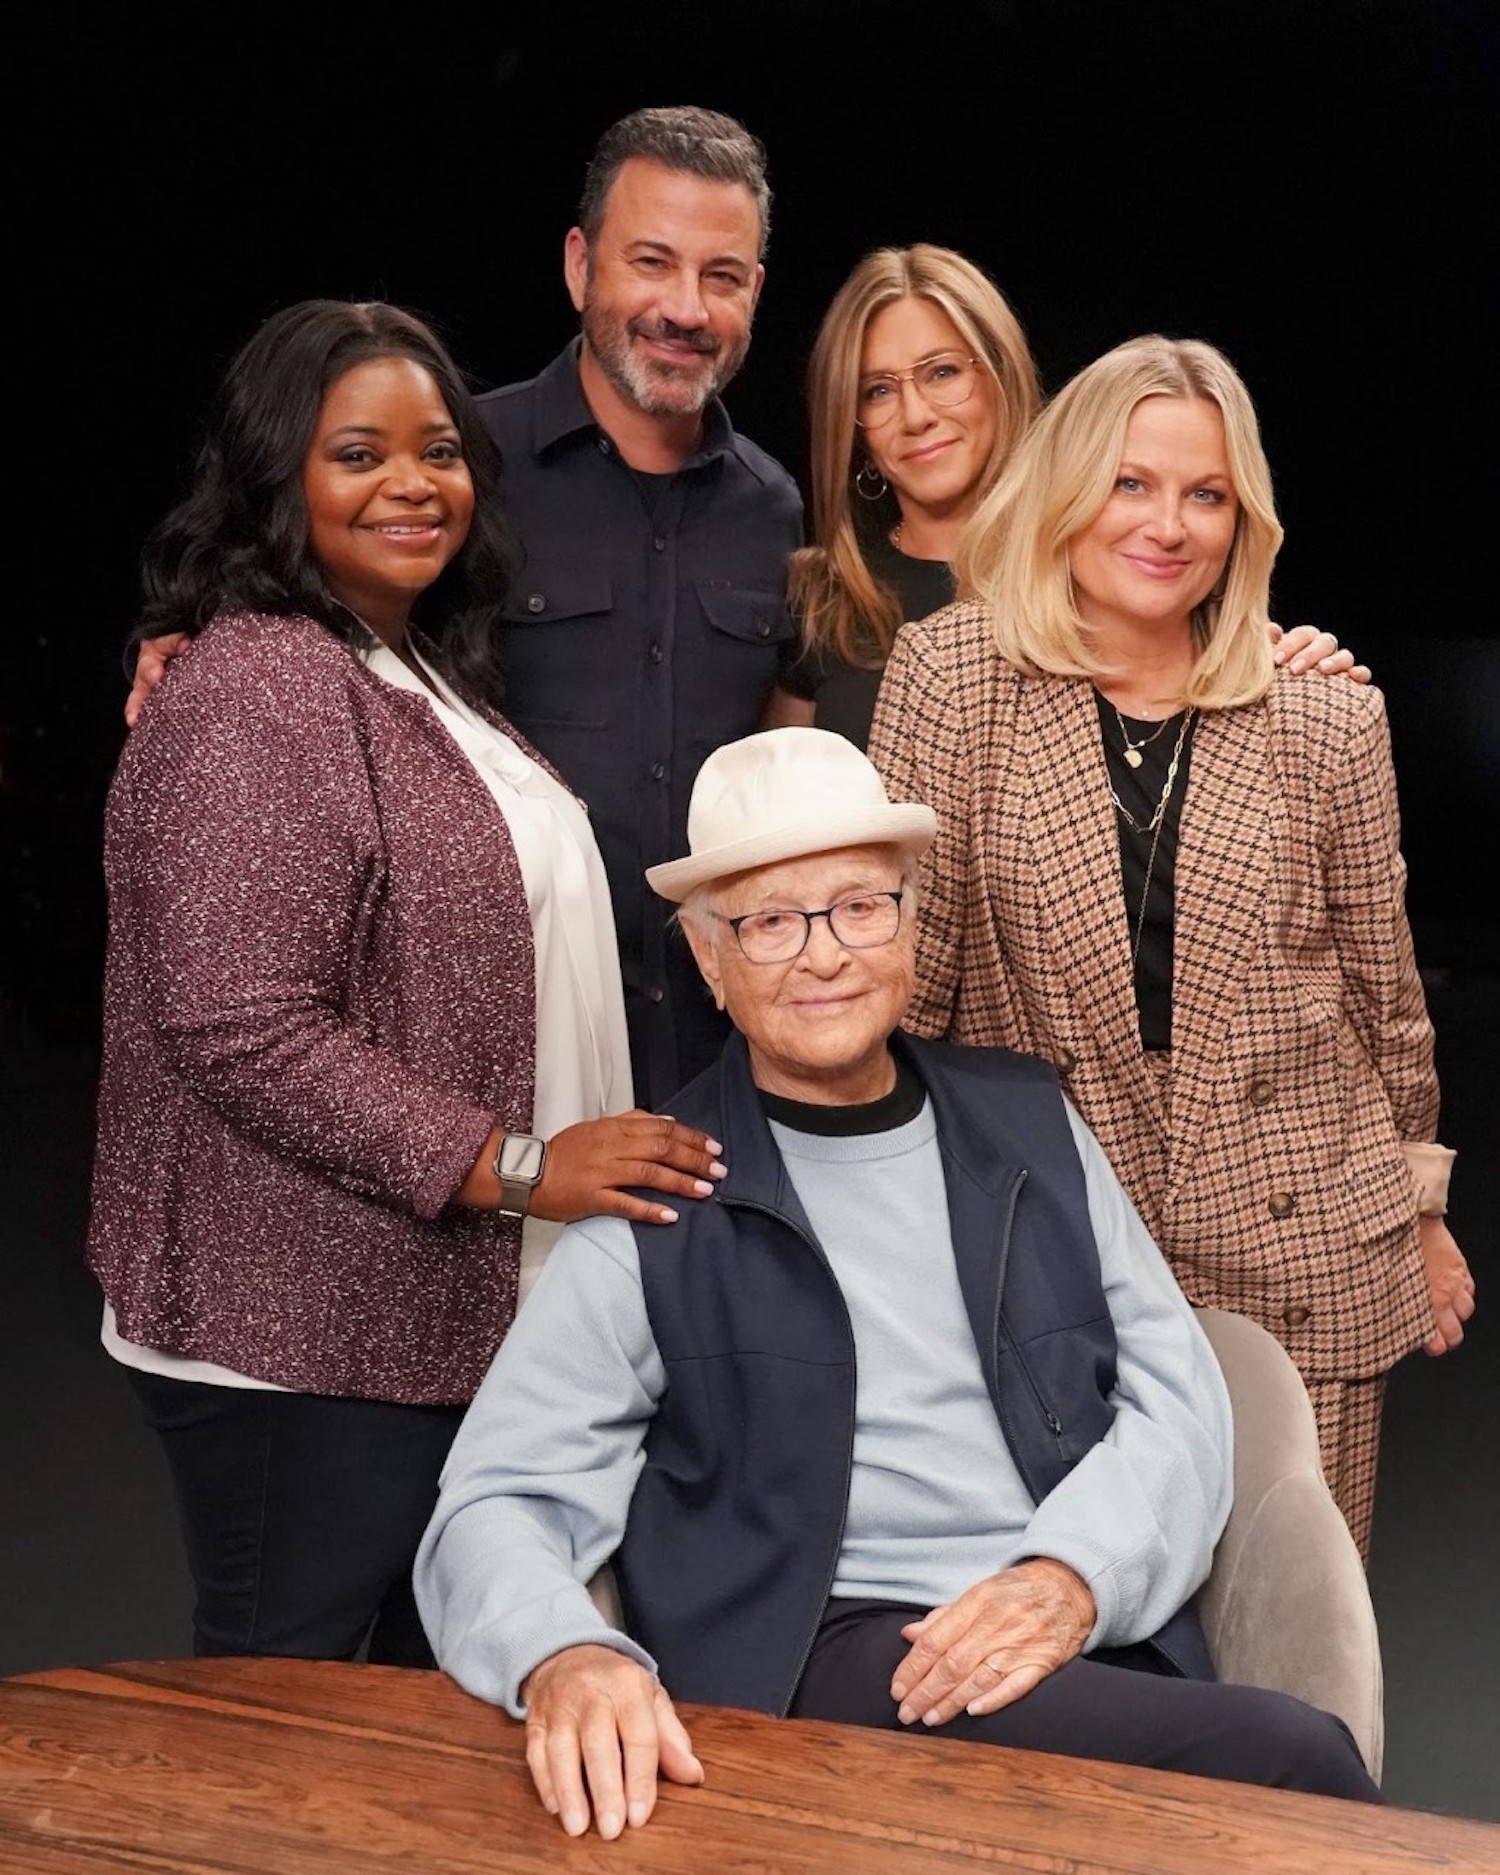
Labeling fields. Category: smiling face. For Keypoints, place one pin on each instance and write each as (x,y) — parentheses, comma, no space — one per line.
(933,457)
(1156,548)
(668,287)
(817,1026)
(388,494)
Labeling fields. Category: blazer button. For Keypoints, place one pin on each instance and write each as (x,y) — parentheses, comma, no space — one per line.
(1281,1204)
(1065,1061)
(1261,1094)
(536,602)
(1296,1314)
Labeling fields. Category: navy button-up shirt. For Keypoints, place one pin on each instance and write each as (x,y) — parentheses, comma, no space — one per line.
(645,626)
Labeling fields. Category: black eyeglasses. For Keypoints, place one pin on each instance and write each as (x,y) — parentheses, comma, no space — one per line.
(858,922)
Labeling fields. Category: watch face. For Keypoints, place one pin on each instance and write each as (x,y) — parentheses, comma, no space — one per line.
(521,1157)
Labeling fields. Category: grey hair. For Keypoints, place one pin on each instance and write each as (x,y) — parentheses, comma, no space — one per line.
(684,137)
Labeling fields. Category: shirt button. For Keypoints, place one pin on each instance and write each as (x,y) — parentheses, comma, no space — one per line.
(1296,1314)
(659,542)
(1261,1094)
(1281,1204)
(536,602)
(655,994)
(763,627)
(655,653)
(658,771)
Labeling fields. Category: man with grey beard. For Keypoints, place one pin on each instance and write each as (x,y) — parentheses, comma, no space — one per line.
(647,620)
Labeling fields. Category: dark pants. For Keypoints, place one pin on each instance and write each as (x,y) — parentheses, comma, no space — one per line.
(301,1516)
(1117,1704)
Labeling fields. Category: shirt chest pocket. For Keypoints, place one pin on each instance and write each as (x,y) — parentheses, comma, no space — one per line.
(558,640)
(753,614)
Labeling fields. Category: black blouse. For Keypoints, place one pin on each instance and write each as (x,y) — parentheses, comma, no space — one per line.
(843,695)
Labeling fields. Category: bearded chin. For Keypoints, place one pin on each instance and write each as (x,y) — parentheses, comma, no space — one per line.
(656,386)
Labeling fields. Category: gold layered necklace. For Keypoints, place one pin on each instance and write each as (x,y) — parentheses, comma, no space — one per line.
(1133,749)
(1153,825)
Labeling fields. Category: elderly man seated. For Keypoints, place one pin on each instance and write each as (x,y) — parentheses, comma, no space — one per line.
(907,1423)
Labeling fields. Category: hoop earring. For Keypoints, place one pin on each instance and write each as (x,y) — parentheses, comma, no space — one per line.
(870,493)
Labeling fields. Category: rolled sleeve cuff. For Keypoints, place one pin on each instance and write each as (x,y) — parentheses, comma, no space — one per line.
(1429,1165)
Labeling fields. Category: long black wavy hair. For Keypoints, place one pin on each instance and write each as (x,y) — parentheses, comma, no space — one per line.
(238,540)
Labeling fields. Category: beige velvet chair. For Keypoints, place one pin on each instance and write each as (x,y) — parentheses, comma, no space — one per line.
(1287,1604)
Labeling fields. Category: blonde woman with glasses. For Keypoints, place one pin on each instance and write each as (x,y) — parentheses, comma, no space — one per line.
(921,382)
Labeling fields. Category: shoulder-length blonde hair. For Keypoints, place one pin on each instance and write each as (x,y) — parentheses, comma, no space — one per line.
(1013,555)
(841,602)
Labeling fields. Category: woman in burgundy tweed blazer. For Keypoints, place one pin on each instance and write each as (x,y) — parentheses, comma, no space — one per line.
(1177,875)
(325,853)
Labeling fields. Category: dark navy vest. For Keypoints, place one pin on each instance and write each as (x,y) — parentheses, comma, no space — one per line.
(737,1518)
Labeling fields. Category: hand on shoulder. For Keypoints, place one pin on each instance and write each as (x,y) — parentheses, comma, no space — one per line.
(152,659)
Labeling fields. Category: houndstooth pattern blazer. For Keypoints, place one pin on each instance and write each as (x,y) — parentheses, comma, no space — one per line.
(1302,1053)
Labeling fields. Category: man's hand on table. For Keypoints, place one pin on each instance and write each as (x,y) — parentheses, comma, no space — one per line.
(599,1727)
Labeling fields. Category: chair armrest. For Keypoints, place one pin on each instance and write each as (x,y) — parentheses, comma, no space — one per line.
(1287,1604)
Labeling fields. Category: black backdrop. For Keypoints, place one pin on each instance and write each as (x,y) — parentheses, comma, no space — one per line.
(1311,186)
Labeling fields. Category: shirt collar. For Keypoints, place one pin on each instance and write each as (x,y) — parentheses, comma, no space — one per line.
(562,412)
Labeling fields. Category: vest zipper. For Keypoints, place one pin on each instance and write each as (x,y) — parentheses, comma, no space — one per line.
(1001,1330)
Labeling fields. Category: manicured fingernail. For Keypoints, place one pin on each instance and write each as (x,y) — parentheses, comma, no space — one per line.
(898,1689)
(930,1717)
(664,1215)
(610,1824)
(703,1188)
(905,1714)
(712,1145)
(639,1813)
(574,1822)
(719,1170)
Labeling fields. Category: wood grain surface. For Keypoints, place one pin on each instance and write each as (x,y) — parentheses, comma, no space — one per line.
(280,1767)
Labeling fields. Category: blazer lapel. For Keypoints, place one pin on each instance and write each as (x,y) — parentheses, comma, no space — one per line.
(1232,820)
(1075,863)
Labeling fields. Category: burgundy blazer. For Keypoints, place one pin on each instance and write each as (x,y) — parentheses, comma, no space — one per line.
(1302,1054)
(319,997)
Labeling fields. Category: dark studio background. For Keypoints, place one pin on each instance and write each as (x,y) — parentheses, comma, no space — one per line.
(1310,186)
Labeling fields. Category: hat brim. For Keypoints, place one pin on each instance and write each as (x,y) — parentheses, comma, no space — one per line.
(907,825)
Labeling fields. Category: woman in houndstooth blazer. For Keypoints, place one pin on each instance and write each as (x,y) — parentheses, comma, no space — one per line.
(1176,873)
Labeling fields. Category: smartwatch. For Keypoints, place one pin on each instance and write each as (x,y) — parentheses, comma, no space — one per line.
(519,1164)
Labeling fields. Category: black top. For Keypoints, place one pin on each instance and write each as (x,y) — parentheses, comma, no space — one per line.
(645,626)
(1139,790)
(843,695)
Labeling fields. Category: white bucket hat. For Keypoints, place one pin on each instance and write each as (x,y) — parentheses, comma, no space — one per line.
(780,794)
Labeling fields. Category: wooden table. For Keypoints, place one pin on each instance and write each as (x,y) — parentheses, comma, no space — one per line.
(277,1767)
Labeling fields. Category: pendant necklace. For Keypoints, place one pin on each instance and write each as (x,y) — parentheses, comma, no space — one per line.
(1133,749)
(1153,825)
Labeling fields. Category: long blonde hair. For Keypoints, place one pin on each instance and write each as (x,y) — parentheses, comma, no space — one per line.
(1013,554)
(842,603)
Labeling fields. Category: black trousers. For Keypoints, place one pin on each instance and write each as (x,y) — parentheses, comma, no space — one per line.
(301,1516)
(1117,1704)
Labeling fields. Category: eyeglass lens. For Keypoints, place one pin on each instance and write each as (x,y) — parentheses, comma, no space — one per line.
(857,923)
(943,381)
